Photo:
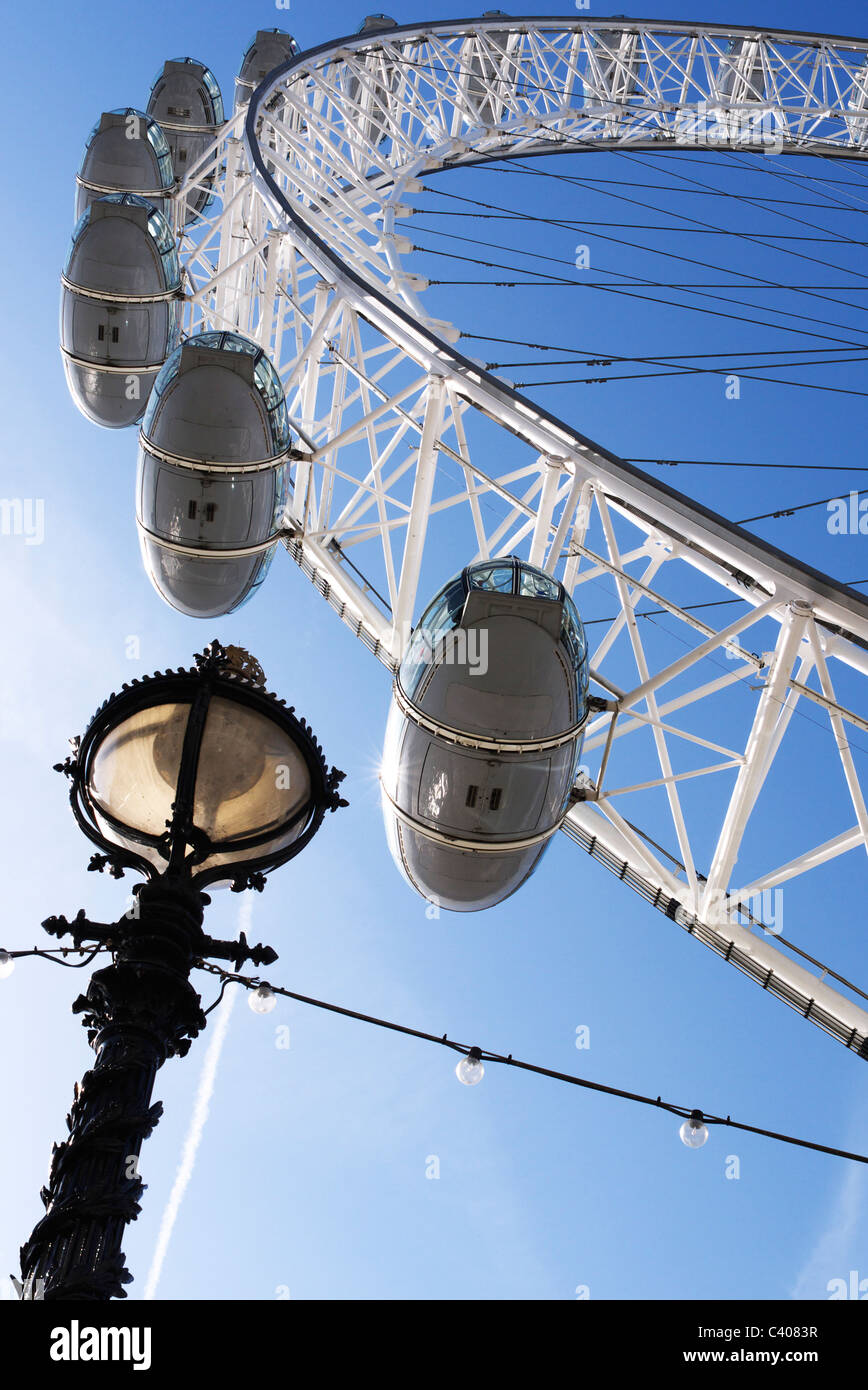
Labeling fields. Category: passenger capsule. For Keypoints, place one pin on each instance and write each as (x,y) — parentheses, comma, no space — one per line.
(126,152)
(212,480)
(373,97)
(372,22)
(120,307)
(186,100)
(485,733)
(267,50)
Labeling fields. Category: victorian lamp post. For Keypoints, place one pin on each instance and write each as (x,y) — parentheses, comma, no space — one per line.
(190,778)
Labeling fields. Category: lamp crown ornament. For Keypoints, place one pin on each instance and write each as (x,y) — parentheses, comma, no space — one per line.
(232,661)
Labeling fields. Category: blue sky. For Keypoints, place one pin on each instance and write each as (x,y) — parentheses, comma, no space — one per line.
(311,1177)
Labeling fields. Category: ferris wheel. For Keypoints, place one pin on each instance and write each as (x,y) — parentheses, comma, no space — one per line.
(278,240)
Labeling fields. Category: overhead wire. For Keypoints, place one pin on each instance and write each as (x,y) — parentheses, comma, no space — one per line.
(509,1060)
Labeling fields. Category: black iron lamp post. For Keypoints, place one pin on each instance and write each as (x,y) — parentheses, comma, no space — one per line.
(190,778)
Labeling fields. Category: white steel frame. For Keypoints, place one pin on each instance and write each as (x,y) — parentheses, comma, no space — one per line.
(302,251)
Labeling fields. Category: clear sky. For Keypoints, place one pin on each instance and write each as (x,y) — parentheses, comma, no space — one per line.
(311,1176)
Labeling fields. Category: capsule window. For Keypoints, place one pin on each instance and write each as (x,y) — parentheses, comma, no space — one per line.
(115,333)
(472,794)
(183,112)
(192,508)
(210,510)
(100,332)
(182,156)
(494,799)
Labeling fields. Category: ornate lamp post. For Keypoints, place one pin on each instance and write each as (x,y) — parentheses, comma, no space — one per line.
(191,778)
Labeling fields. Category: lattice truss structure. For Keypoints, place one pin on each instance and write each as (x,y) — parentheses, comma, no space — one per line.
(717,746)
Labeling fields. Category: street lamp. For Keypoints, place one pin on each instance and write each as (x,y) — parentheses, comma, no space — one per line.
(191,778)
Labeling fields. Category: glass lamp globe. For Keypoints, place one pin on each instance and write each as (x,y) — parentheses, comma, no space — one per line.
(693,1132)
(262,1000)
(7,965)
(201,772)
(470,1070)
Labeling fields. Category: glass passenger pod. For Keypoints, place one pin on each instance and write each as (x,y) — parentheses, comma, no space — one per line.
(213,474)
(126,152)
(486,72)
(185,99)
(613,65)
(120,307)
(267,50)
(457,880)
(373,22)
(499,655)
(434,644)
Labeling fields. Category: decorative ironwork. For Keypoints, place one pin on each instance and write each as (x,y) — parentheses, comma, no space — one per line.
(143,1009)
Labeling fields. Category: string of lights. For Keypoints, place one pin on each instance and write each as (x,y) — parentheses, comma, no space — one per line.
(8,958)
(471,1067)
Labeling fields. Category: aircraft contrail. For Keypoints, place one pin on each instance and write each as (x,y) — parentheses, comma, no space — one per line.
(197,1122)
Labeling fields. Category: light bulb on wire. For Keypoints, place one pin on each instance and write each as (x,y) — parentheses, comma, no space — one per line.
(693,1132)
(470,1070)
(262,1000)
(7,964)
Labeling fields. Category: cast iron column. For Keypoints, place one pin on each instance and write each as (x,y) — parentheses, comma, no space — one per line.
(138,1011)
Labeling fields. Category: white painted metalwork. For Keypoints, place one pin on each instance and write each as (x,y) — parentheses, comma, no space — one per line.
(302,250)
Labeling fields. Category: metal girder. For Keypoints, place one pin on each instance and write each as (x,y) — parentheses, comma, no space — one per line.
(380,395)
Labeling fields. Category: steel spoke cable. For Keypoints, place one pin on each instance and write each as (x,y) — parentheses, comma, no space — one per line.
(745,198)
(788,178)
(743,372)
(581,181)
(762,282)
(797,710)
(679,155)
(741,463)
(785,328)
(813,290)
(707,227)
(689,608)
(649,299)
(605,358)
(789,511)
(664,362)
(577,226)
(753,238)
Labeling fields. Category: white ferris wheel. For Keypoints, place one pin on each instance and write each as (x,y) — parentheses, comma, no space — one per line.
(287,220)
